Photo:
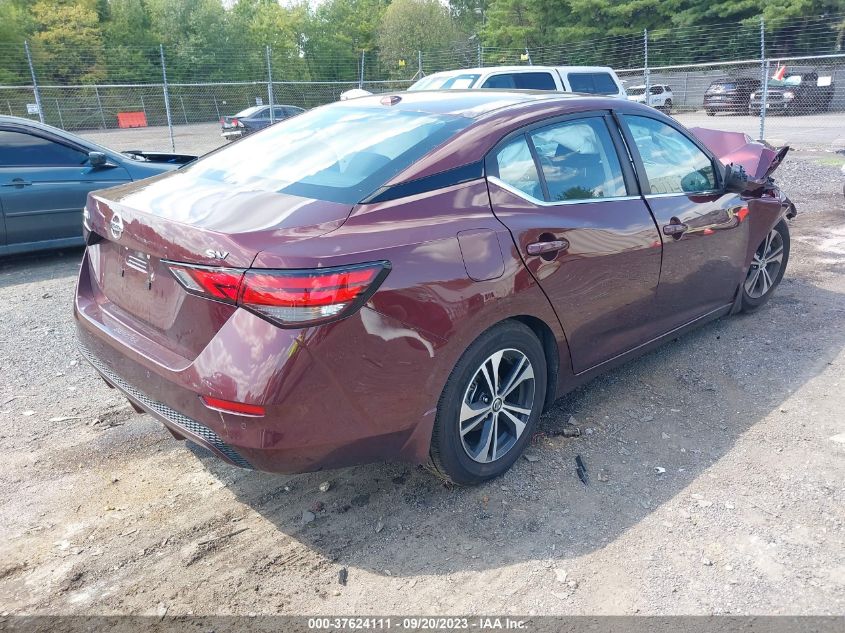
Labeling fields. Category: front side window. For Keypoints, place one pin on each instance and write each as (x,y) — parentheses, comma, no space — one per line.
(19,149)
(579,160)
(593,83)
(673,163)
(515,166)
(340,153)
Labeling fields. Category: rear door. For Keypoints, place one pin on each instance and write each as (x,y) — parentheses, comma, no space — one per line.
(702,229)
(584,232)
(43,186)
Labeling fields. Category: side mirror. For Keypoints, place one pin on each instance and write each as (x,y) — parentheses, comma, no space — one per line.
(736,180)
(97,159)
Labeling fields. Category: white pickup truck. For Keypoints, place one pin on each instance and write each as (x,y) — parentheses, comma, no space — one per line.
(598,80)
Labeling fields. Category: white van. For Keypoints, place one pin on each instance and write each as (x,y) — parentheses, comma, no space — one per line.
(598,80)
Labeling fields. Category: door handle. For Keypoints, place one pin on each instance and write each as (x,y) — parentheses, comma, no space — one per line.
(17,182)
(675,229)
(544,248)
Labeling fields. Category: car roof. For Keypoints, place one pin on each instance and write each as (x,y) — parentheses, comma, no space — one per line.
(56,132)
(467,103)
(525,69)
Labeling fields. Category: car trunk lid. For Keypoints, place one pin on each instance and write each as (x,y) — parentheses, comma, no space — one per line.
(182,218)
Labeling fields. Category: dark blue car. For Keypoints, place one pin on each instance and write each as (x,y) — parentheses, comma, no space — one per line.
(254,119)
(45,177)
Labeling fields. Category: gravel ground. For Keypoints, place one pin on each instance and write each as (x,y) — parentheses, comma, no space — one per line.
(715,480)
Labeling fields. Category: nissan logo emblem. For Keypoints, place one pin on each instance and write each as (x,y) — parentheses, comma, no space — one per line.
(116,226)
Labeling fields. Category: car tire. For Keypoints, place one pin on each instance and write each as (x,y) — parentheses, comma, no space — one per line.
(484,420)
(761,280)
(709,113)
(667,107)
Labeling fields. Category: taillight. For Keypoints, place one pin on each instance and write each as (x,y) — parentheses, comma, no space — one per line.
(222,121)
(219,283)
(237,123)
(290,298)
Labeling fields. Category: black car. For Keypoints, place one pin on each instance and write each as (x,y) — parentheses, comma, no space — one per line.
(797,93)
(254,119)
(729,95)
(45,177)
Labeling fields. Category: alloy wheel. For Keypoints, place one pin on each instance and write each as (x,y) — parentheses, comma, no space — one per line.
(765,265)
(497,405)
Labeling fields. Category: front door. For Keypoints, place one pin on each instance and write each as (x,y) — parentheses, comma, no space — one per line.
(43,186)
(583,231)
(704,236)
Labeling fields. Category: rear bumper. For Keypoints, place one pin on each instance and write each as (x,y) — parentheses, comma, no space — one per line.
(232,133)
(334,395)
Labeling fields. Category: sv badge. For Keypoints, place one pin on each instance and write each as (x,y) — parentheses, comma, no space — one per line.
(213,254)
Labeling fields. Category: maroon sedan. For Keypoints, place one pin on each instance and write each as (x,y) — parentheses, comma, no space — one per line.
(418,276)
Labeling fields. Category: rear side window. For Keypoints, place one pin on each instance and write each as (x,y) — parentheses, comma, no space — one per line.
(521,81)
(593,83)
(19,149)
(249,112)
(673,163)
(579,160)
(339,153)
(515,167)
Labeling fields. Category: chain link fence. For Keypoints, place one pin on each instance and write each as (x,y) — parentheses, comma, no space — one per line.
(738,74)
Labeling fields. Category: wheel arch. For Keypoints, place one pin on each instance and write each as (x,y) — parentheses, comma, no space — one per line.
(551,350)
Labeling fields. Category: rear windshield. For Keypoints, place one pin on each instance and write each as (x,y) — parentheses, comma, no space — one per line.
(593,83)
(446,82)
(337,153)
(249,111)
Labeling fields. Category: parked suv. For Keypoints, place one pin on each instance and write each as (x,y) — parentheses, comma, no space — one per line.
(254,119)
(729,95)
(660,96)
(599,80)
(798,93)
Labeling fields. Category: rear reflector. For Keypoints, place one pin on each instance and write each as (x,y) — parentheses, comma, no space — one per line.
(227,406)
(288,297)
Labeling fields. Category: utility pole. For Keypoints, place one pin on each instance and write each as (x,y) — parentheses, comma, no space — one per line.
(764,79)
(647,72)
(34,82)
(270,85)
(167,99)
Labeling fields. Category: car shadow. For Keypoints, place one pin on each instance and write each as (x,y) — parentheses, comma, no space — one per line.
(649,429)
(34,267)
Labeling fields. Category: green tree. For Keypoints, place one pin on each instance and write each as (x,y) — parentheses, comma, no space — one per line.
(131,50)
(336,34)
(15,26)
(68,43)
(409,26)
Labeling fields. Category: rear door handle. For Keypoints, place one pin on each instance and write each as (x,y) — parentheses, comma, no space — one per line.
(675,229)
(544,248)
(17,182)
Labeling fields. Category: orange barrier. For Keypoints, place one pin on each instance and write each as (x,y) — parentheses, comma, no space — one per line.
(132,119)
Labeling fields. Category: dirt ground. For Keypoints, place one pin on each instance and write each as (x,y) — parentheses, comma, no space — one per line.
(715,470)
